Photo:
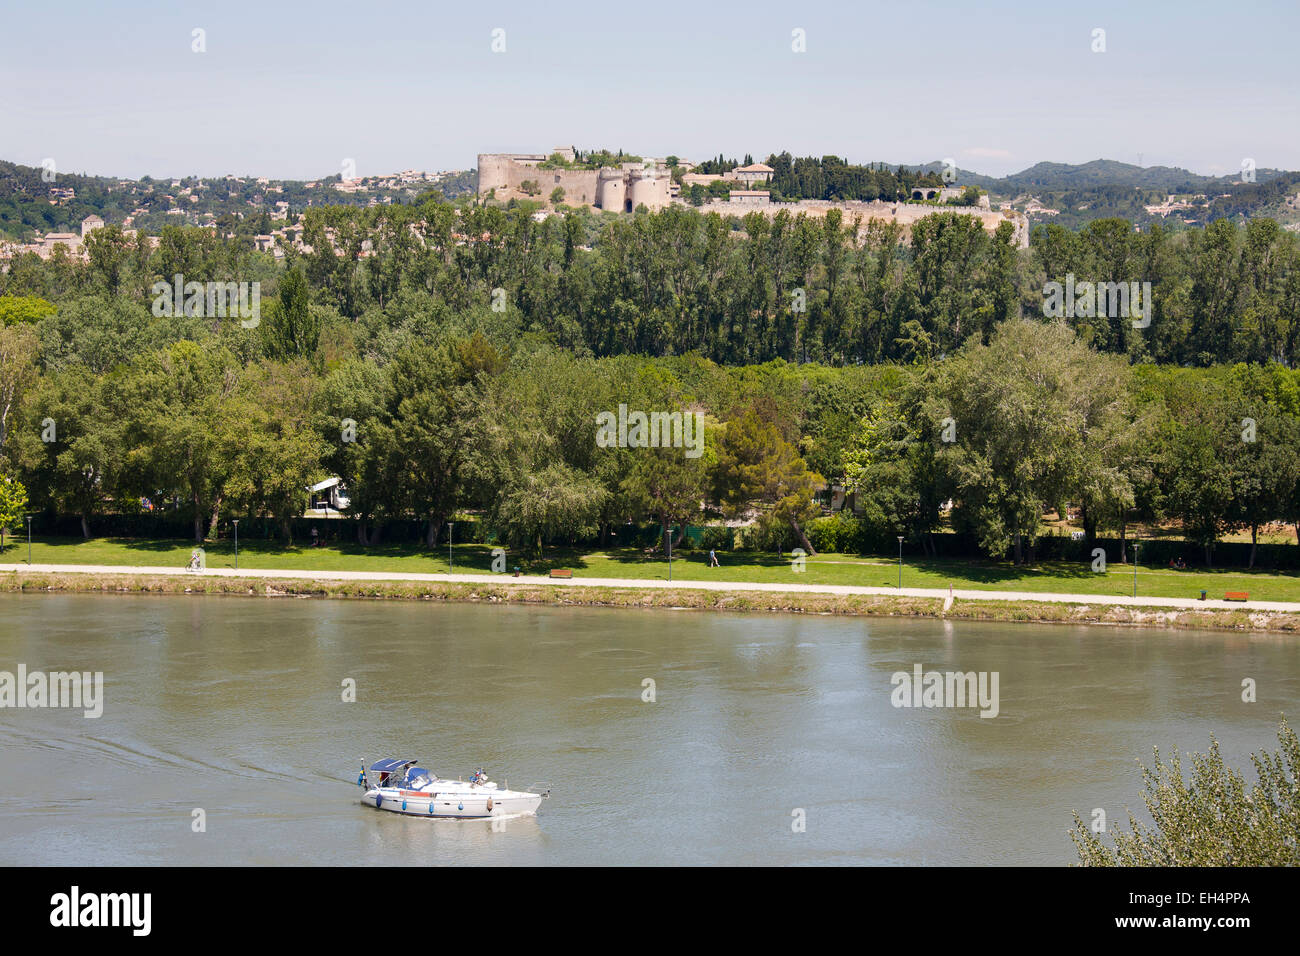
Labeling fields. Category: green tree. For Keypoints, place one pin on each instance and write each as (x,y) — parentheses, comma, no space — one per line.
(18,353)
(1266,471)
(435,410)
(970,196)
(1213,819)
(80,469)
(757,468)
(112,254)
(1200,460)
(278,452)
(352,406)
(291,329)
(24,308)
(13,504)
(720,188)
(893,471)
(1026,415)
(556,502)
(101,331)
(667,486)
(185,427)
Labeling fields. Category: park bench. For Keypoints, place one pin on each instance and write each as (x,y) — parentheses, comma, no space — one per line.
(1237,596)
(561,573)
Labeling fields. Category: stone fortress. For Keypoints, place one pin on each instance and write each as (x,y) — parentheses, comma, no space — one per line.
(613,188)
(649,183)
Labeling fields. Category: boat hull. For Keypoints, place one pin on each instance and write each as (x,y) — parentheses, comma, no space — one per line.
(460,806)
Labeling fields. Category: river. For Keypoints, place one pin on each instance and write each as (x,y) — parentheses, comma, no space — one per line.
(771,739)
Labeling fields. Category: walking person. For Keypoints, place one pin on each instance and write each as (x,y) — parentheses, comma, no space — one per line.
(713,559)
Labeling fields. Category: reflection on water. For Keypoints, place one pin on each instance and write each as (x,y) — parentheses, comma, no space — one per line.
(235,706)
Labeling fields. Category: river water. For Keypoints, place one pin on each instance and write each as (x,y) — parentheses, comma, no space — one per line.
(771,739)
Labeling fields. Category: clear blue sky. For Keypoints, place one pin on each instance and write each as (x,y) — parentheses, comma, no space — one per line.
(291,90)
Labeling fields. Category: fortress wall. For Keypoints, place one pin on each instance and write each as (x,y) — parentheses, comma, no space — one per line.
(901,213)
(579,185)
(507,172)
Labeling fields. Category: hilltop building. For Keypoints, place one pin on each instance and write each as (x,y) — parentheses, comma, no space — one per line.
(631,185)
(751,174)
(614,188)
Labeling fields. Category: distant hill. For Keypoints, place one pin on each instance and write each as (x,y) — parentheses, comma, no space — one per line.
(1100,172)
(29,204)
(1105,187)
(1069,195)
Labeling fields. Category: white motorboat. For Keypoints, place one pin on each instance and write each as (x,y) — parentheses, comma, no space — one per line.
(399,786)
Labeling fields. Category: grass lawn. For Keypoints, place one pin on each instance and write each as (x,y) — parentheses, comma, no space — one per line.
(1067,577)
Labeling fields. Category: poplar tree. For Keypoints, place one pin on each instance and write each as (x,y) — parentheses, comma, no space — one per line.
(1214,818)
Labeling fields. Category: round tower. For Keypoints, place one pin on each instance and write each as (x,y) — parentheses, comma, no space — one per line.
(493,172)
(611,191)
(645,190)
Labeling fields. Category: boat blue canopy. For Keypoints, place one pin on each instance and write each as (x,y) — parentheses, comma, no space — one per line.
(389,764)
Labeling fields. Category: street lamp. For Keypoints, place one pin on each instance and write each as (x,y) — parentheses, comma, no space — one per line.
(236,520)
(669,534)
(1135,568)
(29,540)
(451,530)
(900,562)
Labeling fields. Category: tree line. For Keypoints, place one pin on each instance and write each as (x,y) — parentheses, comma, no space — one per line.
(468,384)
(744,291)
(832,178)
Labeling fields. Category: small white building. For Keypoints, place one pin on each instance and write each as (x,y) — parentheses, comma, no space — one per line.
(329,494)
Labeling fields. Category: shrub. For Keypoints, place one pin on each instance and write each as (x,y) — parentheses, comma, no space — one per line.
(1213,820)
(717,538)
(839,532)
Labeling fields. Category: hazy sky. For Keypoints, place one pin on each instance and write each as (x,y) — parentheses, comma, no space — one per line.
(291,90)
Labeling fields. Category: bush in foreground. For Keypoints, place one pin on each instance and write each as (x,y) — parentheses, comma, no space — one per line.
(1211,820)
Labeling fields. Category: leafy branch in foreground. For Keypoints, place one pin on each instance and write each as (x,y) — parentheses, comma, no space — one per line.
(1211,820)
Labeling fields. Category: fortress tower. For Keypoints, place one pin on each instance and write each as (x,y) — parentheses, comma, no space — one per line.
(611,190)
(615,190)
(647,187)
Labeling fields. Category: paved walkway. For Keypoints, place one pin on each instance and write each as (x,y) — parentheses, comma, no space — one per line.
(797,588)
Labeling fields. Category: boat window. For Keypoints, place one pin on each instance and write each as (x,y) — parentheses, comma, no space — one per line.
(417,778)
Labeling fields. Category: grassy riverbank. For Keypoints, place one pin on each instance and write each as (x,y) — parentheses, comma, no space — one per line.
(494,591)
(1064,577)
